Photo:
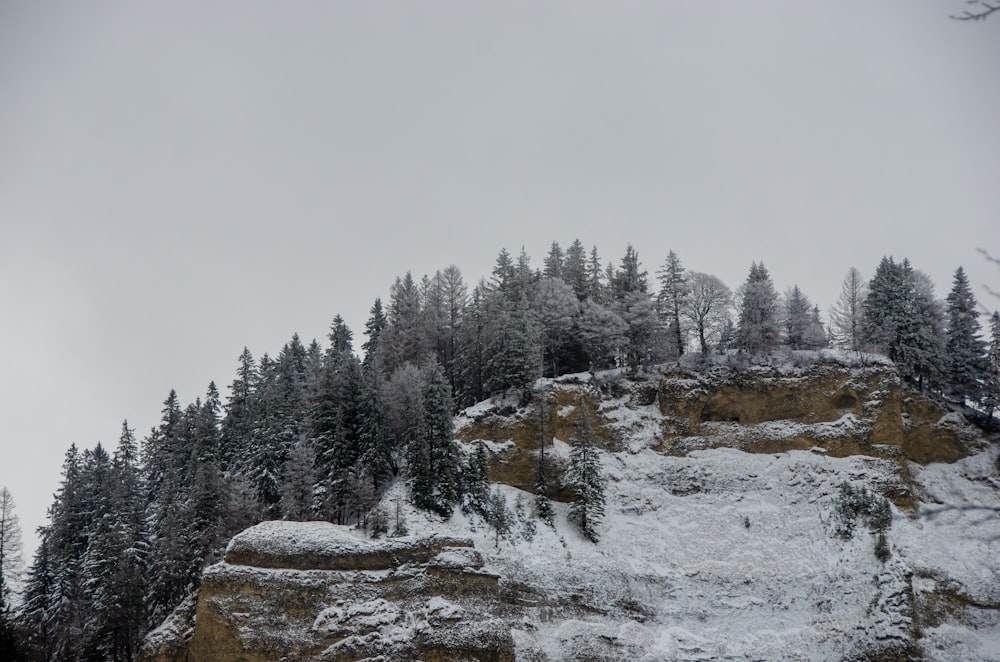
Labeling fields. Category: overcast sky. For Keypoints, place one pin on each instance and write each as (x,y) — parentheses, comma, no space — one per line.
(181,179)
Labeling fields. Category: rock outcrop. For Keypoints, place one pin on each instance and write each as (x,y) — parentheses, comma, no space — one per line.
(843,410)
(315,591)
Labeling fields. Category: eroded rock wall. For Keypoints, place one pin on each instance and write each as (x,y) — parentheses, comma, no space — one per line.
(314,591)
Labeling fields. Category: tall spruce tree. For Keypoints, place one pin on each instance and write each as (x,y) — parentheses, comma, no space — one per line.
(757,329)
(584,476)
(672,299)
(966,360)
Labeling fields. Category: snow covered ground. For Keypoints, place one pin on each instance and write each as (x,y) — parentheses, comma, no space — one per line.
(723,554)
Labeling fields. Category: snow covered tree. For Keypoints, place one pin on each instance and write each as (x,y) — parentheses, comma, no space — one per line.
(498,515)
(991,401)
(803,328)
(403,340)
(757,329)
(553,262)
(673,295)
(575,269)
(298,481)
(629,277)
(240,411)
(10,569)
(903,320)
(476,480)
(376,324)
(432,456)
(603,334)
(595,278)
(584,477)
(847,315)
(707,307)
(10,551)
(922,337)
(966,360)
(511,349)
(555,307)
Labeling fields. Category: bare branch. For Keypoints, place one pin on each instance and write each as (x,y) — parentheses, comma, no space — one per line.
(983,10)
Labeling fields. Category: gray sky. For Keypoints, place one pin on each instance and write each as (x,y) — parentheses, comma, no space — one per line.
(181,179)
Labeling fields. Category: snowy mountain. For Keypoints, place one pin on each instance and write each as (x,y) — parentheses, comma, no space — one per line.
(725,536)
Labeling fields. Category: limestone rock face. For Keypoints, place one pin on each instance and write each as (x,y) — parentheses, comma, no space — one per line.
(315,591)
(843,410)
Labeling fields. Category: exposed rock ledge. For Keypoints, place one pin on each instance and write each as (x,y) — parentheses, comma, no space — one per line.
(315,591)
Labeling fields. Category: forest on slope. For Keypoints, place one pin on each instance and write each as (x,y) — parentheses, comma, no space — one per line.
(318,432)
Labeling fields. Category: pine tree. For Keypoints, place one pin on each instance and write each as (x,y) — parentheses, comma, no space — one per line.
(672,299)
(575,269)
(798,319)
(376,324)
(595,278)
(298,480)
(584,477)
(991,399)
(885,308)
(476,480)
(966,359)
(629,277)
(438,433)
(603,335)
(237,425)
(543,507)
(553,262)
(511,349)
(757,328)
(555,307)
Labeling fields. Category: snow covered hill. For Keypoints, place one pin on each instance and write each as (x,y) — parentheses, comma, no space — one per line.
(709,552)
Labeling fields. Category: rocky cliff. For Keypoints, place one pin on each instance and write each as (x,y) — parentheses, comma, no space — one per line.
(723,537)
(317,591)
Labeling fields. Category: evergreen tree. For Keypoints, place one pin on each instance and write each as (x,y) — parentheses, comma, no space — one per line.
(403,340)
(629,277)
(437,433)
(920,345)
(298,480)
(603,334)
(503,272)
(803,328)
(584,477)
(471,351)
(237,425)
(757,328)
(991,400)
(595,278)
(511,350)
(885,308)
(966,359)
(554,262)
(575,270)
(476,480)
(543,507)
(376,324)
(672,300)
(555,307)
